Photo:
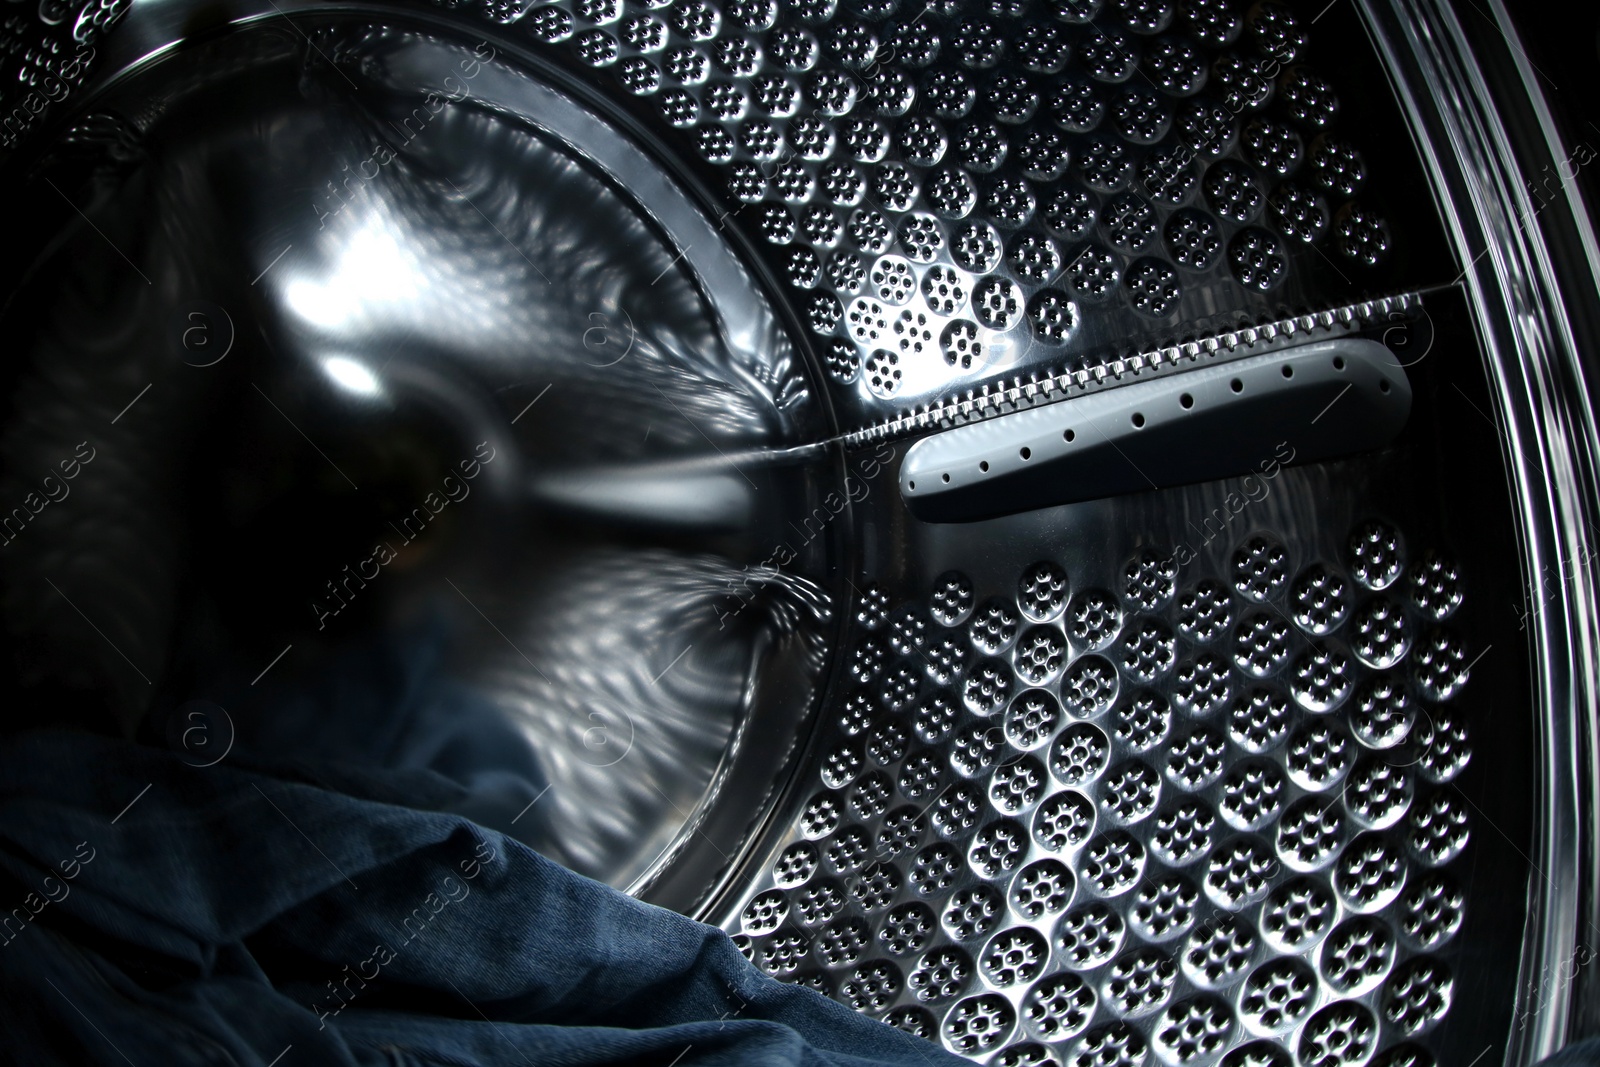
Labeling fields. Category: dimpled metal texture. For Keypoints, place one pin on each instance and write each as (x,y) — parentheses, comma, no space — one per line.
(1194,818)
(975,196)
(1135,817)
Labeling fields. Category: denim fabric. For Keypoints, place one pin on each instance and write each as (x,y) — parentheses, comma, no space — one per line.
(159,913)
(386,701)
(1583,1054)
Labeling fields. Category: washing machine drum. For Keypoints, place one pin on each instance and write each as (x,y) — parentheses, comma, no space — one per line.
(1062,526)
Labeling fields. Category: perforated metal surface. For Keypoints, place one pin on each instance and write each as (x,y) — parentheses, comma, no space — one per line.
(963,195)
(1132,818)
(968,197)
(1136,802)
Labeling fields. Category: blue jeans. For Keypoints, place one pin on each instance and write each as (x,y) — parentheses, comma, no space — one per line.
(159,913)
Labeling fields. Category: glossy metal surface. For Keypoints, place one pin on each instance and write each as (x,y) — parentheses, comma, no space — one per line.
(1527,315)
(1334,398)
(698,275)
(380,381)
(1189,776)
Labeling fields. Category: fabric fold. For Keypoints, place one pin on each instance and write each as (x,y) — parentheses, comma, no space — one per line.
(222,914)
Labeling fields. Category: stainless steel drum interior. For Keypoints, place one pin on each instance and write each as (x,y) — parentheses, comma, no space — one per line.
(1065,526)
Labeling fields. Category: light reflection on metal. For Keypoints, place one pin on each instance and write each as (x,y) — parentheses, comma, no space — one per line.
(516,570)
